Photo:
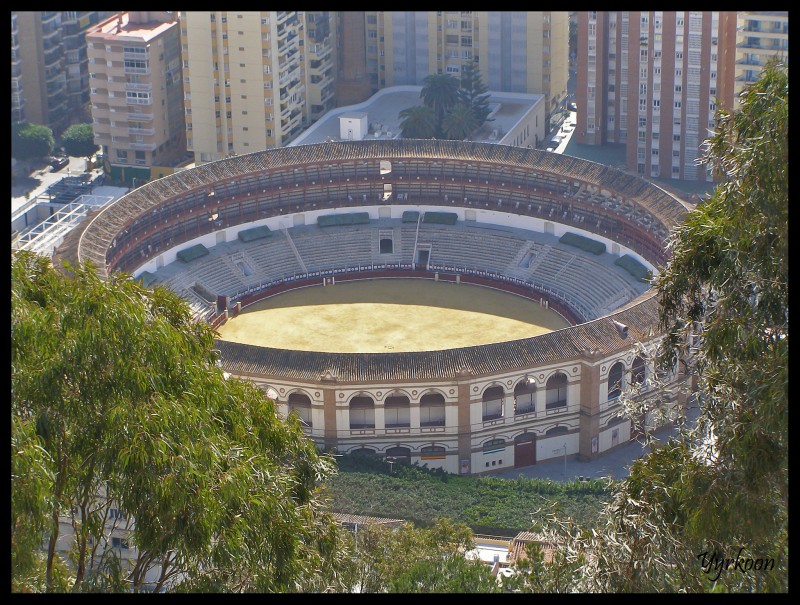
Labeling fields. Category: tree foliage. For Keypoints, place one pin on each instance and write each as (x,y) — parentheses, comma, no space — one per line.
(460,122)
(452,108)
(415,559)
(31,141)
(440,93)
(417,122)
(474,93)
(720,488)
(78,140)
(118,405)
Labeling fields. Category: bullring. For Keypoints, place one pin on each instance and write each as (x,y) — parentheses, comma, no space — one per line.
(548,221)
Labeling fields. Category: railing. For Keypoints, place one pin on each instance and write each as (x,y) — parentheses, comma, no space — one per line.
(139,87)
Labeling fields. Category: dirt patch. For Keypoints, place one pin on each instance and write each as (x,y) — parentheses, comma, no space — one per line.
(389,315)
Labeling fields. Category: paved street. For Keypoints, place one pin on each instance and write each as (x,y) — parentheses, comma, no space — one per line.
(39,180)
(614,464)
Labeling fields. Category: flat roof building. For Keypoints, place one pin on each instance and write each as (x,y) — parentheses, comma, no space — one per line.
(515,119)
(136,93)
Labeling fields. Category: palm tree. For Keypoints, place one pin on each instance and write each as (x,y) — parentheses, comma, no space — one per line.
(418,122)
(460,122)
(440,93)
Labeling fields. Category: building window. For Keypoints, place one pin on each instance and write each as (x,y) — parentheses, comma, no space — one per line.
(121,543)
(556,391)
(432,410)
(638,371)
(493,403)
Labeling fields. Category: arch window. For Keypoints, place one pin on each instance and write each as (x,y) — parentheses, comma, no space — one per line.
(300,404)
(493,403)
(638,371)
(557,430)
(494,446)
(556,391)
(399,454)
(525,397)
(363,451)
(396,412)
(362,413)
(432,452)
(431,410)
(615,380)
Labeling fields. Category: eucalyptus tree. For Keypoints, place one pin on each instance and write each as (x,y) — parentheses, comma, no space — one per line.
(417,122)
(120,415)
(708,510)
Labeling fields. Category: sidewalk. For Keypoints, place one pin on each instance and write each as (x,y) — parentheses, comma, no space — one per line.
(614,464)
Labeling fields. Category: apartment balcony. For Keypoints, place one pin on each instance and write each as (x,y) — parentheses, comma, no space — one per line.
(129,56)
(137,71)
(142,131)
(750,61)
(132,101)
(53,56)
(143,146)
(321,50)
(148,87)
(140,117)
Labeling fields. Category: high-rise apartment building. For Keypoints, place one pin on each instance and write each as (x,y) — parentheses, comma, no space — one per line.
(74,26)
(760,36)
(652,80)
(320,68)
(42,78)
(17,96)
(246,78)
(526,52)
(50,66)
(136,93)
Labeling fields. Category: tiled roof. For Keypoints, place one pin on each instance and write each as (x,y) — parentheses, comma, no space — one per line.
(102,230)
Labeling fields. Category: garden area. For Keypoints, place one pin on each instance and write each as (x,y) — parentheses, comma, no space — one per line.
(368,485)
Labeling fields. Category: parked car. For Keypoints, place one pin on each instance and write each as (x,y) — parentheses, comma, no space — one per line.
(57,163)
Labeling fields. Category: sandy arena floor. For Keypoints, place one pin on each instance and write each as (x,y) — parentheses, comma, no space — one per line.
(389,315)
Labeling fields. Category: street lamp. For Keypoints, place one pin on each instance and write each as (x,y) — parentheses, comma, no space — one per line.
(565,460)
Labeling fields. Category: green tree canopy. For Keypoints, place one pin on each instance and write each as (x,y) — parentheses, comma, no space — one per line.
(31,141)
(460,122)
(440,93)
(474,92)
(418,122)
(78,140)
(118,405)
(412,558)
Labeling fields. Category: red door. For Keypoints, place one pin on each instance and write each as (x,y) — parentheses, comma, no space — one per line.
(525,450)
